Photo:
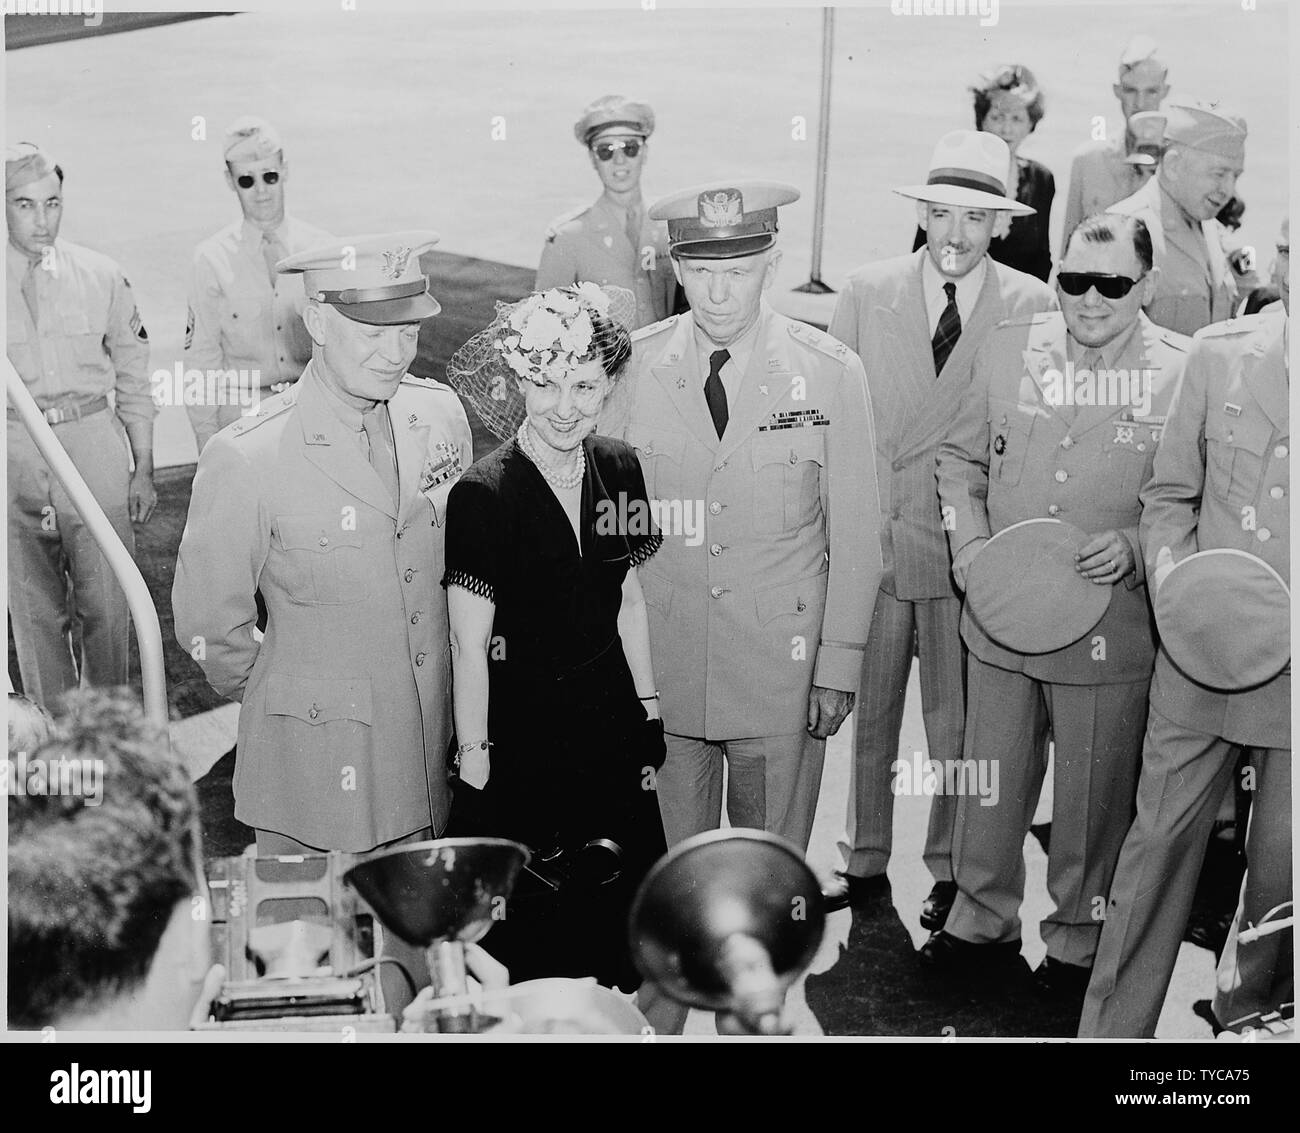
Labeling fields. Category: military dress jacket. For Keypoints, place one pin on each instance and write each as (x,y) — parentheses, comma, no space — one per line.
(1016,452)
(1186,297)
(1222,479)
(1099,178)
(881,314)
(346,702)
(591,245)
(773,591)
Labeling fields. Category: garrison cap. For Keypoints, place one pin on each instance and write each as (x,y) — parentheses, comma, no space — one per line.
(26,162)
(370,279)
(250,139)
(1224,617)
(613,111)
(723,220)
(1140,49)
(1203,126)
(1023,590)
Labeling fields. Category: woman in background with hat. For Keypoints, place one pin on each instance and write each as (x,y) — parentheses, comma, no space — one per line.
(1009,103)
(557,718)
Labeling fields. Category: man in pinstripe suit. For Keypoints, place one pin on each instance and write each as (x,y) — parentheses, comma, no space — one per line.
(915,321)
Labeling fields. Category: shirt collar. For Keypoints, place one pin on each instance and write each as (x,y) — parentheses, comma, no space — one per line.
(249,233)
(968,287)
(1172,212)
(1109,354)
(348,416)
(740,350)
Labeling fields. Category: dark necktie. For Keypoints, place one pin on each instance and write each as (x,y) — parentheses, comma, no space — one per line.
(714,394)
(948,331)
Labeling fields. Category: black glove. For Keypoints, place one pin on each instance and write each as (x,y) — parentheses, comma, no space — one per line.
(648,744)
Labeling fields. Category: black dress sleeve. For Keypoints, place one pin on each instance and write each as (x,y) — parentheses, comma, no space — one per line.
(643,543)
(621,475)
(475,538)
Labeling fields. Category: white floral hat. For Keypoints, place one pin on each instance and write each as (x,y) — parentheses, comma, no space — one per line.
(544,335)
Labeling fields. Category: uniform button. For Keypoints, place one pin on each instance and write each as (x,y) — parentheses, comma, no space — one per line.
(1280,452)
(794,457)
(716,592)
(324,542)
(1277,491)
(800,606)
(1054,509)
(399,534)
(649,449)
(1068,442)
(313,713)
(419,658)
(1142,446)
(715,508)
(716,549)
(1264,534)
(278,327)
(720,466)
(415,618)
(1062,476)
(410,574)
(896,514)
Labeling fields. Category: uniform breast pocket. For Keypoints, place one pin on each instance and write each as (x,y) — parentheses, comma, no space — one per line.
(662,454)
(242,319)
(323,564)
(1234,458)
(1012,428)
(788,468)
(1127,467)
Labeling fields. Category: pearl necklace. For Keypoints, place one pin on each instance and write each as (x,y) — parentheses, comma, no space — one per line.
(562,480)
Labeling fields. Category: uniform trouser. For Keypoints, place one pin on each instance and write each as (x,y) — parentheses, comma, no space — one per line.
(1097,732)
(772,785)
(50,546)
(1184,775)
(929,630)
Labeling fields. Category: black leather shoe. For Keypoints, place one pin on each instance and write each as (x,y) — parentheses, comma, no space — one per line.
(1056,979)
(847,891)
(934,913)
(944,954)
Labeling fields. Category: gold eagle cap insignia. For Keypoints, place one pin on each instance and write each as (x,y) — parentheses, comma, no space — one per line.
(395,262)
(722,209)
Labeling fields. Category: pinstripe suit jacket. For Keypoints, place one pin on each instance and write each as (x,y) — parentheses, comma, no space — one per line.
(881,315)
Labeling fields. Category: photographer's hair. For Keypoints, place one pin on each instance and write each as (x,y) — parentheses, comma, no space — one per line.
(1109,227)
(92,888)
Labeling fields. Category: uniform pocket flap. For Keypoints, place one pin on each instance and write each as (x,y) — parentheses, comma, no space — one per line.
(789,598)
(320,533)
(1251,433)
(657,442)
(318,700)
(789,446)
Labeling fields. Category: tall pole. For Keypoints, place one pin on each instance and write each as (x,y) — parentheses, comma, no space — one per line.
(815,286)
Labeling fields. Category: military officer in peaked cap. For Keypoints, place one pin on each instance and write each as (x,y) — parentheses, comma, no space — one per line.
(613,241)
(330,502)
(74,335)
(243,315)
(1204,152)
(1222,481)
(756,437)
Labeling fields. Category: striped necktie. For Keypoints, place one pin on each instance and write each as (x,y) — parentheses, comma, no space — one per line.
(948,331)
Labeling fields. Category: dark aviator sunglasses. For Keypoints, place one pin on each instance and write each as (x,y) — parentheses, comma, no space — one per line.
(1108,286)
(247,180)
(606,150)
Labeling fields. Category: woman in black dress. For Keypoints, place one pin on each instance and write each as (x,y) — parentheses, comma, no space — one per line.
(1009,103)
(557,719)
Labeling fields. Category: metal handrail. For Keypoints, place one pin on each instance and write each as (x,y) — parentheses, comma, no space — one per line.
(147,630)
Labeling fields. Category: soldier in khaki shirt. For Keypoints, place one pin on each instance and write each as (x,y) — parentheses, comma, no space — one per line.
(1103,172)
(243,316)
(757,431)
(612,241)
(1205,153)
(1062,420)
(75,336)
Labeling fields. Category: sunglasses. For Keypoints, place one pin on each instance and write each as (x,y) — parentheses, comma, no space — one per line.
(247,180)
(606,150)
(1108,286)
